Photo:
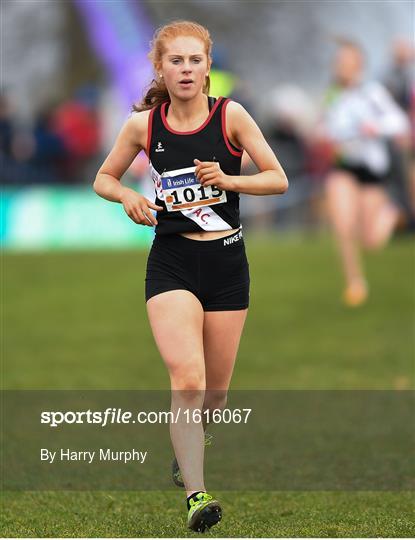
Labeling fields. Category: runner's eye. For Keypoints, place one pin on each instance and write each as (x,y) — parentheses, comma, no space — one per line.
(178,60)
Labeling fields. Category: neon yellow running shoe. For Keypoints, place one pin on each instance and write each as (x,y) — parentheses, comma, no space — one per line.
(175,469)
(204,512)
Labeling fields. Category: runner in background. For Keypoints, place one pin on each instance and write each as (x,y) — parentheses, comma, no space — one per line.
(359,117)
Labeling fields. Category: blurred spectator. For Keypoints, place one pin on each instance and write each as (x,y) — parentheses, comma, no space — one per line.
(16,146)
(77,123)
(290,118)
(412,152)
(49,150)
(62,145)
(6,126)
(399,79)
(290,112)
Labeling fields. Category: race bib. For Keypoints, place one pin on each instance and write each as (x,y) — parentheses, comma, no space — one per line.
(182,190)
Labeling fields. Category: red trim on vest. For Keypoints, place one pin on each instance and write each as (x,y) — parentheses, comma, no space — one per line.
(149,131)
(225,136)
(205,123)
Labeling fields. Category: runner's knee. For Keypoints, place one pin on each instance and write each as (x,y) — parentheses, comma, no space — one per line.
(191,383)
(215,399)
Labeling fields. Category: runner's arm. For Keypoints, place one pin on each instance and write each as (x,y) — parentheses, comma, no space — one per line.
(271,180)
(129,143)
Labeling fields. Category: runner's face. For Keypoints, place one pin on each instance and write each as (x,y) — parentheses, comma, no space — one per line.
(184,66)
(348,66)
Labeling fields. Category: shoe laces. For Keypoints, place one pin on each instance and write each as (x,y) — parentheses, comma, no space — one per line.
(200,497)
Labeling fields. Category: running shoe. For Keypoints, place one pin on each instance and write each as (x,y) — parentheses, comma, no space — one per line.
(175,469)
(356,294)
(204,512)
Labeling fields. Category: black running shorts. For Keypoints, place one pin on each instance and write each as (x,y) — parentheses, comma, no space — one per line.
(362,174)
(215,271)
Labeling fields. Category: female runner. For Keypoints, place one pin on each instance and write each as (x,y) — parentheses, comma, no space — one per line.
(197,281)
(359,117)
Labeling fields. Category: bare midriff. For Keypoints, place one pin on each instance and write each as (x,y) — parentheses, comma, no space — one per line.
(208,235)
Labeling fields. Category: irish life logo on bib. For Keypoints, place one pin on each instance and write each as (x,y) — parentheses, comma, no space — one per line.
(182,190)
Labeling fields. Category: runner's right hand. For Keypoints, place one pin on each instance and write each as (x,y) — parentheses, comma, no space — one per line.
(137,207)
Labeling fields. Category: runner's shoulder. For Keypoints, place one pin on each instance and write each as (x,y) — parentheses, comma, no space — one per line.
(139,120)
(235,115)
(235,109)
(136,126)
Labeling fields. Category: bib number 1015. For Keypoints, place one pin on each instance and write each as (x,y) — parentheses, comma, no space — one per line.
(198,194)
(182,190)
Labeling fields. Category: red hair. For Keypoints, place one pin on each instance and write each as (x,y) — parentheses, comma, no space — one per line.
(157,92)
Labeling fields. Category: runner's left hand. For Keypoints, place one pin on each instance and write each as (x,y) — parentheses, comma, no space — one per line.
(209,173)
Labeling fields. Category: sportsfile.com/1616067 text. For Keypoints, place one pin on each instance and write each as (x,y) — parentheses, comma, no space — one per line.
(113,415)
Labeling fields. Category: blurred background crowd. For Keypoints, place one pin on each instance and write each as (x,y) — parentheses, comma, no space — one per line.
(73,69)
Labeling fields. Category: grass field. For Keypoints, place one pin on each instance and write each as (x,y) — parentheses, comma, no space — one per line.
(78,320)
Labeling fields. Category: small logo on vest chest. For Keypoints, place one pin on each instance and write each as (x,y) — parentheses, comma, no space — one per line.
(159,147)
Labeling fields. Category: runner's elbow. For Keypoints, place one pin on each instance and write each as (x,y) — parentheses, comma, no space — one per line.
(282,183)
(96,184)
